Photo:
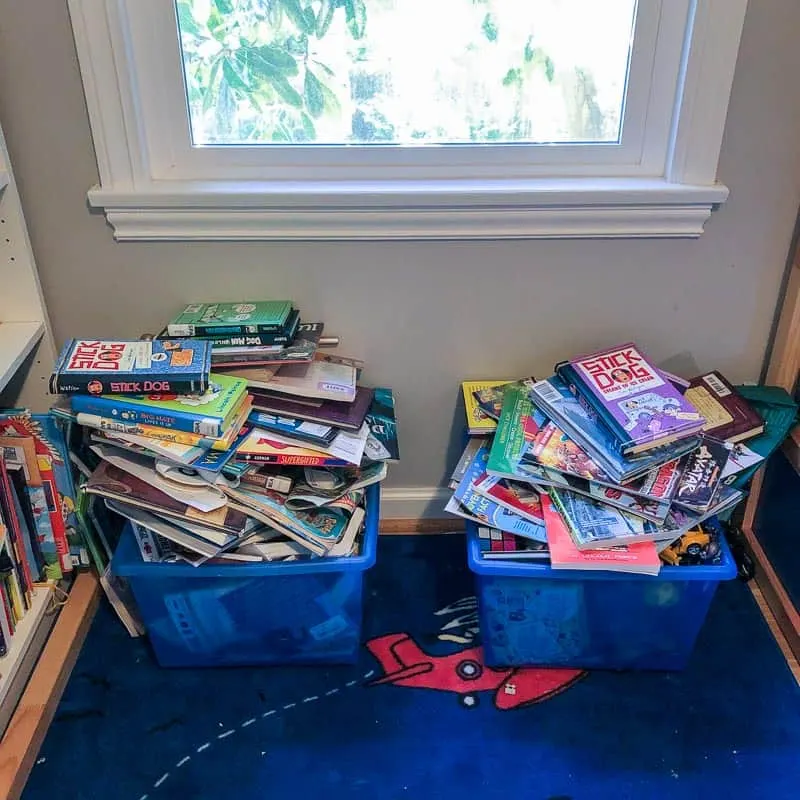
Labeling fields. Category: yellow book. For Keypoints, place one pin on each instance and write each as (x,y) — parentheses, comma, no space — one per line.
(478,422)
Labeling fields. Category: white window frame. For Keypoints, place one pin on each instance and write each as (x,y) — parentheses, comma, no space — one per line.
(660,181)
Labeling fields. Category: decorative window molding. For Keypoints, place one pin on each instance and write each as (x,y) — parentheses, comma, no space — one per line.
(155,186)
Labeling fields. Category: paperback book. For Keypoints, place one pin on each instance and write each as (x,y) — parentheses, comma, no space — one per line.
(301,350)
(479,422)
(382,443)
(94,366)
(231,319)
(499,545)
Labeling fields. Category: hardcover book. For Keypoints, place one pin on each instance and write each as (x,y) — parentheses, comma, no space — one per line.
(349,416)
(94,366)
(478,421)
(319,379)
(640,558)
(555,399)
(231,319)
(302,350)
(640,407)
(728,415)
(207,414)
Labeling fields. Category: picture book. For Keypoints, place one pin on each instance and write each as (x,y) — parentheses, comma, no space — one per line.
(319,379)
(111,482)
(341,415)
(478,421)
(488,511)
(260,447)
(729,417)
(382,443)
(207,414)
(231,319)
(94,366)
(495,544)
(520,498)
(639,558)
(553,448)
(555,399)
(519,423)
(348,446)
(301,350)
(641,408)
(702,475)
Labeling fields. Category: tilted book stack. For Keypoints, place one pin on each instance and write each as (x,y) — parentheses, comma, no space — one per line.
(607,461)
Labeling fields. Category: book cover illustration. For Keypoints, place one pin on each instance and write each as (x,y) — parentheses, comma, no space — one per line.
(488,511)
(640,557)
(519,423)
(521,498)
(476,395)
(382,443)
(207,414)
(702,475)
(230,319)
(741,457)
(553,448)
(97,366)
(556,400)
(631,396)
(262,448)
(729,417)
(496,544)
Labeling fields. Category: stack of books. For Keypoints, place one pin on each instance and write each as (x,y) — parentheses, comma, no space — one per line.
(604,465)
(230,462)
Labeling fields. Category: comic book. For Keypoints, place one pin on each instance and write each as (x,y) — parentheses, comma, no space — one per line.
(481,398)
(702,476)
(518,497)
(640,407)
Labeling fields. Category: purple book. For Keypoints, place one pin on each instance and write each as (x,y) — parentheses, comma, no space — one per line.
(632,398)
(341,415)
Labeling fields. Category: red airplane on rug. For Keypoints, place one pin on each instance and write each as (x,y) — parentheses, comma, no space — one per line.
(405,664)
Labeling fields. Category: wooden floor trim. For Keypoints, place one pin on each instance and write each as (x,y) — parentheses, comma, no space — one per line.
(38,704)
(421,525)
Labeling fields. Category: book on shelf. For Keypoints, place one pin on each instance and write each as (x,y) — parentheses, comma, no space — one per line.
(94,366)
(728,415)
(231,319)
(209,414)
(629,395)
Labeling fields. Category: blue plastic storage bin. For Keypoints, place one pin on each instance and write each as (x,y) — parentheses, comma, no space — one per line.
(303,612)
(533,615)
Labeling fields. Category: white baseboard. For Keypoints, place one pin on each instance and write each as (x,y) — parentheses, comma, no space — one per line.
(416,502)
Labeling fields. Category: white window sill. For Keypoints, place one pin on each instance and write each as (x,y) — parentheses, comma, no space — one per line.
(531,209)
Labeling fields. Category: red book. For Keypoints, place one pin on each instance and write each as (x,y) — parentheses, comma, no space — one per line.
(641,558)
(14,530)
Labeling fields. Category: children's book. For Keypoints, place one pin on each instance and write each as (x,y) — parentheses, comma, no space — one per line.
(208,414)
(319,379)
(301,350)
(94,366)
(465,459)
(300,429)
(276,339)
(231,319)
(329,412)
(729,417)
(639,558)
(382,442)
(519,423)
(629,395)
(702,476)
(555,399)
(261,447)
(479,422)
(518,497)
(499,545)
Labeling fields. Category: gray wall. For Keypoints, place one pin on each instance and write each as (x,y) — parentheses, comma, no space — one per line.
(425,316)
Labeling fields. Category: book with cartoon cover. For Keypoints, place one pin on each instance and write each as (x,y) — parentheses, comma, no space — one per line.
(640,407)
(97,366)
(702,476)
(520,498)
(479,398)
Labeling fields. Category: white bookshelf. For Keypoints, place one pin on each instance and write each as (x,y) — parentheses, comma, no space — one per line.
(17,341)
(17,664)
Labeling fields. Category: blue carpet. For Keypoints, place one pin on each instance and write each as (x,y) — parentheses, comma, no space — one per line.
(729,726)
(777,524)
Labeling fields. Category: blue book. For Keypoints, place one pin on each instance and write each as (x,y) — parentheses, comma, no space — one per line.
(94,366)
(301,429)
(208,414)
(555,399)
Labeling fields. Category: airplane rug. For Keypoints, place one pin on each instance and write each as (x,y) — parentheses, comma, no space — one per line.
(420,716)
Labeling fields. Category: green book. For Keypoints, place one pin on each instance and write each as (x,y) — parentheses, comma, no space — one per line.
(208,414)
(520,421)
(231,319)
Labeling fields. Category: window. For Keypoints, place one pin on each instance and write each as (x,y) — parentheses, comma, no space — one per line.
(373,119)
